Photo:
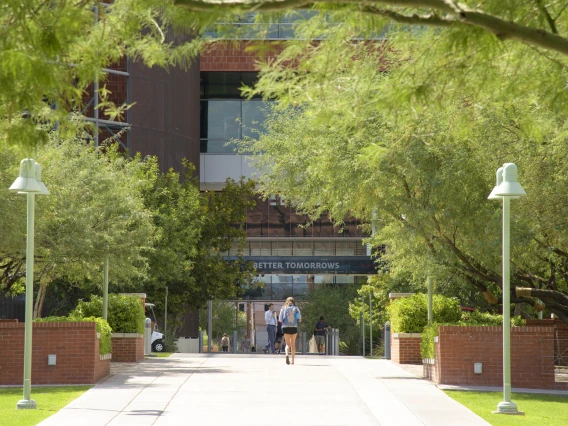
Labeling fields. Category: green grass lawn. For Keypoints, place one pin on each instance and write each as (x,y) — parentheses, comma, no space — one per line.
(540,410)
(49,401)
(162,354)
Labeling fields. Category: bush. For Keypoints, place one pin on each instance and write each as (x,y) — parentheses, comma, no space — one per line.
(102,327)
(125,313)
(427,347)
(410,314)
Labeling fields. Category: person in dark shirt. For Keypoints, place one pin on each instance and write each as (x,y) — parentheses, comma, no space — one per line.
(319,332)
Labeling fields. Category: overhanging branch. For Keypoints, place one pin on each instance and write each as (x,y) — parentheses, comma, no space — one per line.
(453,13)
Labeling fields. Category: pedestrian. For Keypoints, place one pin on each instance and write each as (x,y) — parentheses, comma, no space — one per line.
(279,336)
(291,316)
(319,332)
(225,342)
(270,318)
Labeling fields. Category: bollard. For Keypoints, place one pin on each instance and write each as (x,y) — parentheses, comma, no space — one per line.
(200,341)
(327,338)
(147,336)
(335,339)
(303,343)
(337,343)
(387,340)
(234,341)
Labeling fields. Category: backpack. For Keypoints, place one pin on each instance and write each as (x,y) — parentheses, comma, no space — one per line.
(290,315)
(225,341)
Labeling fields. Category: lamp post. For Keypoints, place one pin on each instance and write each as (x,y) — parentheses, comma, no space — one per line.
(105,287)
(430,309)
(507,187)
(29,183)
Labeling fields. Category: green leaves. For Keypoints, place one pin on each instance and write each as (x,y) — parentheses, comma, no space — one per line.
(125,313)
(410,314)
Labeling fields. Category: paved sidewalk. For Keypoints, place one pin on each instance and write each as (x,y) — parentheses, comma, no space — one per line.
(226,389)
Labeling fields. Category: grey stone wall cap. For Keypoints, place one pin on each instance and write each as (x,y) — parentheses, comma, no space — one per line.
(406,335)
(393,296)
(126,335)
(141,295)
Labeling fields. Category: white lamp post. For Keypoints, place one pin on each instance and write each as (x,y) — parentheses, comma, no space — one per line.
(29,182)
(507,187)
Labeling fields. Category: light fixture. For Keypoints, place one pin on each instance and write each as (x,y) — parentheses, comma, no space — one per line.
(510,185)
(499,181)
(26,182)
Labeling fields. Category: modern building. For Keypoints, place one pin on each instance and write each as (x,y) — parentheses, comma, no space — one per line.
(194,114)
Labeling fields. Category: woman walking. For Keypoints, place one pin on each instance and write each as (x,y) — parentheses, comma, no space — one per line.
(290,317)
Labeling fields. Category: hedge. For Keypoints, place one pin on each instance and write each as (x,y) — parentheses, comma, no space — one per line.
(125,313)
(427,348)
(410,314)
(102,327)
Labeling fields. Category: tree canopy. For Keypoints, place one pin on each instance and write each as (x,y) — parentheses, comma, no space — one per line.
(156,228)
(53,51)
(426,167)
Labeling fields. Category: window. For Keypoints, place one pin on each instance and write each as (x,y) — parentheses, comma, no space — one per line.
(225,116)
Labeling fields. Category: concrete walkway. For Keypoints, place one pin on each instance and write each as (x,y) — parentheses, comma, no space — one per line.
(226,389)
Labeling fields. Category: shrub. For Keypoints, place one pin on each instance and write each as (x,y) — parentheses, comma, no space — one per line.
(427,347)
(410,314)
(125,313)
(102,327)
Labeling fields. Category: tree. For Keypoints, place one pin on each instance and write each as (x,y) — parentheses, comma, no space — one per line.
(95,210)
(226,318)
(51,54)
(195,233)
(426,171)
(332,302)
(52,51)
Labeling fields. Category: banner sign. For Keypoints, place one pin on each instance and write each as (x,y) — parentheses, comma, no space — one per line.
(313,265)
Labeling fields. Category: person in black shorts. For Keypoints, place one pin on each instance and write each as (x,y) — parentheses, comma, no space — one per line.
(290,316)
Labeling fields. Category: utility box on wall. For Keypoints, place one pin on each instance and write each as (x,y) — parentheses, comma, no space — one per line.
(52,359)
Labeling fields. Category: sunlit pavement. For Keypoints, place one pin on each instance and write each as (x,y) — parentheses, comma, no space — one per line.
(226,389)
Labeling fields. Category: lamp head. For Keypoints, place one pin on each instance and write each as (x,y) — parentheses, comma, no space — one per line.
(26,182)
(510,185)
(44,190)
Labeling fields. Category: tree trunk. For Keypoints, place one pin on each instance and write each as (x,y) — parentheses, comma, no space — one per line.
(39,301)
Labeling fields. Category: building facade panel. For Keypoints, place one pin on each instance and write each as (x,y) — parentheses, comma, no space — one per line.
(165,117)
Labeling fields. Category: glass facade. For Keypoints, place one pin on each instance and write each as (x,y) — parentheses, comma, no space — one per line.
(279,287)
(225,116)
(248,27)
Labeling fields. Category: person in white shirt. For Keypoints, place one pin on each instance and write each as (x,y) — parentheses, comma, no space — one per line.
(270,318)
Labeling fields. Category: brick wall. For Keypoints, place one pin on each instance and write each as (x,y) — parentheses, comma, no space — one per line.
(74,343)
(237,55)
(458,348)
(127,347)
(405,348)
